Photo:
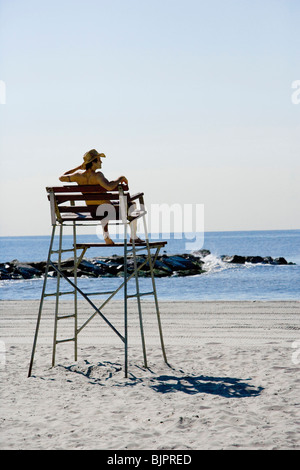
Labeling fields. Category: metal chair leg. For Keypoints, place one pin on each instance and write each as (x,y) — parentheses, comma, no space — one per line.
(139,305)
(41,303)
(57,296)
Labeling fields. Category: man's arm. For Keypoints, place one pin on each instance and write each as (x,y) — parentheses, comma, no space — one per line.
(73,170)
(65,178)
(70,172)
(110,185)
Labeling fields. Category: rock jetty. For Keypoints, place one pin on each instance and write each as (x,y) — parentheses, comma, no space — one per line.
(113,266)
(236,259)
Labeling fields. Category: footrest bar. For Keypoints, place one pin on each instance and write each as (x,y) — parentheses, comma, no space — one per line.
(64,340)
(100,293)
(59,293)
(144,247)
(62,251)
(63,317)
(140,295)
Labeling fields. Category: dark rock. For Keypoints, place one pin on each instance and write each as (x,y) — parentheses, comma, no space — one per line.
(87,267)
(39,265)
(5,273)
(268,260)
(161,266)
(67,263)
(254,259)
(280,261)
(174,262)
(202,253)
(24,270)
(234,259)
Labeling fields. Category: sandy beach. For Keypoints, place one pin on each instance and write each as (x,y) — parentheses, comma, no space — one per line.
(232,381)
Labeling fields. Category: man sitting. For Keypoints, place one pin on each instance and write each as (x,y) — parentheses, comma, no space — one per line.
(87,173)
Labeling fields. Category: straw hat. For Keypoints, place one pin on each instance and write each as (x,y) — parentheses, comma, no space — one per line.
(91,155)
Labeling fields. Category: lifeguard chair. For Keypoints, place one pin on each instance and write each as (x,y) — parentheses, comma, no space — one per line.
(69,207)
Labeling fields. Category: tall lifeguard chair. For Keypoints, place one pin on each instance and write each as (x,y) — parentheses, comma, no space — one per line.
(69,207)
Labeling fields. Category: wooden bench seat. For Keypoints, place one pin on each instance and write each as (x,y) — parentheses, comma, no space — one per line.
(67,202)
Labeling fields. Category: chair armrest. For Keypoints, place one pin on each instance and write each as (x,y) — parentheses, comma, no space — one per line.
(135,196)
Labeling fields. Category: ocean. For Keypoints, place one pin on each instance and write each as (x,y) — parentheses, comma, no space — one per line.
(221,281)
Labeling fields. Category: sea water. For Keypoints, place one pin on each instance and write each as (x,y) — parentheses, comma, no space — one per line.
(221,281)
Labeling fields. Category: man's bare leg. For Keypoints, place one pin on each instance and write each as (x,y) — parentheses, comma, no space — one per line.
(106,236)
(133,228)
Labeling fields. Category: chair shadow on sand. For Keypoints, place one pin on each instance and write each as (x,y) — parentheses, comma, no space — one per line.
(177,381)
(190,384)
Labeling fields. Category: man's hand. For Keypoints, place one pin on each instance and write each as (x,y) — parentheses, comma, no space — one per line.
(123,179)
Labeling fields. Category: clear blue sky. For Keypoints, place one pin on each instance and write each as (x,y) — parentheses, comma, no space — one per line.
(191,100)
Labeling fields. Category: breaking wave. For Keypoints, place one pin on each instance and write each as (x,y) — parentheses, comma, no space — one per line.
(214,264)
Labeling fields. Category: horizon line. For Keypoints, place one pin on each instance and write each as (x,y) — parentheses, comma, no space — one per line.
(169,233)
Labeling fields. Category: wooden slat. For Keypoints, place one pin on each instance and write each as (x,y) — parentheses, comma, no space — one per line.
(95,245)
(88,209)
(77,218)
(87,197)
(75,209)
(86,188)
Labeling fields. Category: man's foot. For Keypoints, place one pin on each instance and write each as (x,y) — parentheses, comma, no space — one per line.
(137,241)
(109,241)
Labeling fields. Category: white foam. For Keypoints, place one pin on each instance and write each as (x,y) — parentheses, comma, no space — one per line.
(213,263)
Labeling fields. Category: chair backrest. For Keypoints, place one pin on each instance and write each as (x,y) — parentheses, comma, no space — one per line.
(67,203)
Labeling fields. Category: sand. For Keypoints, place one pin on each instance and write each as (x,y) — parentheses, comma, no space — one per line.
(232,381)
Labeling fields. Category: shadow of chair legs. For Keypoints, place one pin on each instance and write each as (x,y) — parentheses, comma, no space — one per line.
(177,381)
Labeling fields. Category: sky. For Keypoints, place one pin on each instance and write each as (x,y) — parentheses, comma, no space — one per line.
(191,100)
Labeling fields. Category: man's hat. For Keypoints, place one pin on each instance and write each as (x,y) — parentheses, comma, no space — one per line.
(91,155)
